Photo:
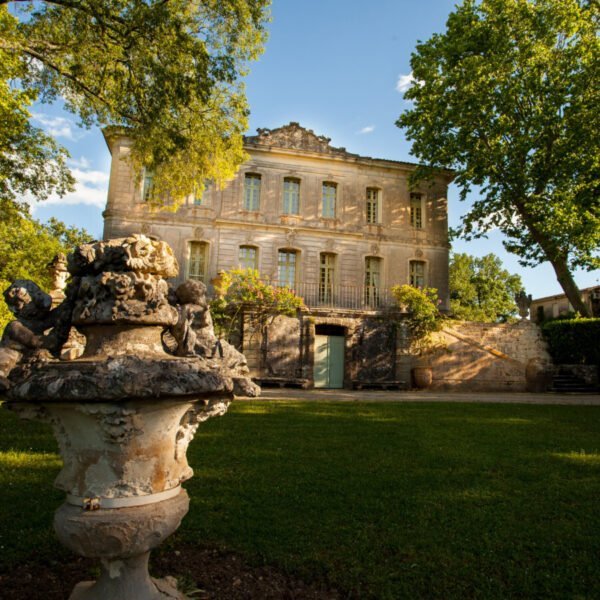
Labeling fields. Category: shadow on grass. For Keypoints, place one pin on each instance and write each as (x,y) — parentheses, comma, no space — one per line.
(382,500)
(392,501)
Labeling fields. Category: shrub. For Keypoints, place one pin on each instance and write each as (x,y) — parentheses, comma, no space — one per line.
(424,319)
(573,341)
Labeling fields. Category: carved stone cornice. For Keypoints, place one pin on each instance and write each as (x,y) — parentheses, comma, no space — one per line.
(296,137)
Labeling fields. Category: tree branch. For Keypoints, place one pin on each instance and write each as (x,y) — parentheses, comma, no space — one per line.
(86,90)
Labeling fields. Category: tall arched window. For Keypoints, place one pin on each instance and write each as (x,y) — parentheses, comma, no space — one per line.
(291,196)
(417,273)
(326,276)
(252,192)
(329,200)
(372,280)
(373,206)
(287,261)
(148,184)
(197,262)
(248,257)
(416,211)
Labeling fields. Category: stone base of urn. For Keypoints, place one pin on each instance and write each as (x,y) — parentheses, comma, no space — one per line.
(122,539)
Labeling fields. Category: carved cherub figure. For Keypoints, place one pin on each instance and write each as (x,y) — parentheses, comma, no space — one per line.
(25,336)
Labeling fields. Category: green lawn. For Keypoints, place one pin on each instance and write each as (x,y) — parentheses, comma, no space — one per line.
(383,500)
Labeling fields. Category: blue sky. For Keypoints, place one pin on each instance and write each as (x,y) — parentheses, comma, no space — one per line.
(336,67)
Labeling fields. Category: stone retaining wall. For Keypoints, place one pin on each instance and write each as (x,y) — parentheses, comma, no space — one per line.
(487,356)
(473,356)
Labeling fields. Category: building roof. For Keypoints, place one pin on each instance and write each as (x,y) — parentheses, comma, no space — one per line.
(295,137)
(564,296)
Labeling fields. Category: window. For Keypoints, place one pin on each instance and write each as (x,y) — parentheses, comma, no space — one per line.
(372,280)
(328,200)
(326,277)
(286,268)
(372,205)
(148,184)
(248,257)
(291,196)
(417,273)
(197,260)
(251,192)
(199,197)
(416,211)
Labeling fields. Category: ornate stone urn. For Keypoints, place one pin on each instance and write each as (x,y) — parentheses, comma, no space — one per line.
(125,411)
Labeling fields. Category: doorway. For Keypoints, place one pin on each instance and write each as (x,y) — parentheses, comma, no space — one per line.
(329,356)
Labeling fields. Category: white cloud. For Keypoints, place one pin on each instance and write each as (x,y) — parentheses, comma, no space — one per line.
(82,162)
(405,82)
(367,129)
(56,126)
(98,178)
(91,188)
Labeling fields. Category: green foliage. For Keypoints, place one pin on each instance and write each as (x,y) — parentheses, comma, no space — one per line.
(508,98)
(244,288)
(27,246)
(481,290)
(425,318)
(573,341)
(168,72)
(30,161)
(381,500)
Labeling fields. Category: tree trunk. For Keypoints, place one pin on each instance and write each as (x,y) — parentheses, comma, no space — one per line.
(569,286)
(558,262)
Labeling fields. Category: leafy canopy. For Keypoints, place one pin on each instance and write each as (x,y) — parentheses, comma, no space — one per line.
(508,96)
(167,71)
(27,246)
(481,290)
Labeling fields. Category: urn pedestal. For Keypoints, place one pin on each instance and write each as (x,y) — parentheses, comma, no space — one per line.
(124,463)
(124,412)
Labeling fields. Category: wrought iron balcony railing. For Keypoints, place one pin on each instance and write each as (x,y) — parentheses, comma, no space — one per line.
(316,295)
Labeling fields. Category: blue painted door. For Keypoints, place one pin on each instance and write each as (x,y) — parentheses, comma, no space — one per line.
(329,361)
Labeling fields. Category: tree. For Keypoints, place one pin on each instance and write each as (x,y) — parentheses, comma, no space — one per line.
(30,161)
(242,294)
(481,290)
(424,318)
(167,71)
(508,96)
(241,289)
(27,246)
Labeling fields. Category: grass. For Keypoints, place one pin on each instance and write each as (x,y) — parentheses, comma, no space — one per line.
(383,500)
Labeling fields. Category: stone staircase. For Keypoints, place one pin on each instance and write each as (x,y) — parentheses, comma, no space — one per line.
(564,382)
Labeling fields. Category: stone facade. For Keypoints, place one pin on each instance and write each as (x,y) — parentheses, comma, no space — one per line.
(211,234)
(338,227)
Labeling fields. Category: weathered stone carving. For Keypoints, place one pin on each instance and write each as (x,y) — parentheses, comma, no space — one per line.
(126,411)
(137,253)
(57,268)
(297,137)
(194,334)
(523,303)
